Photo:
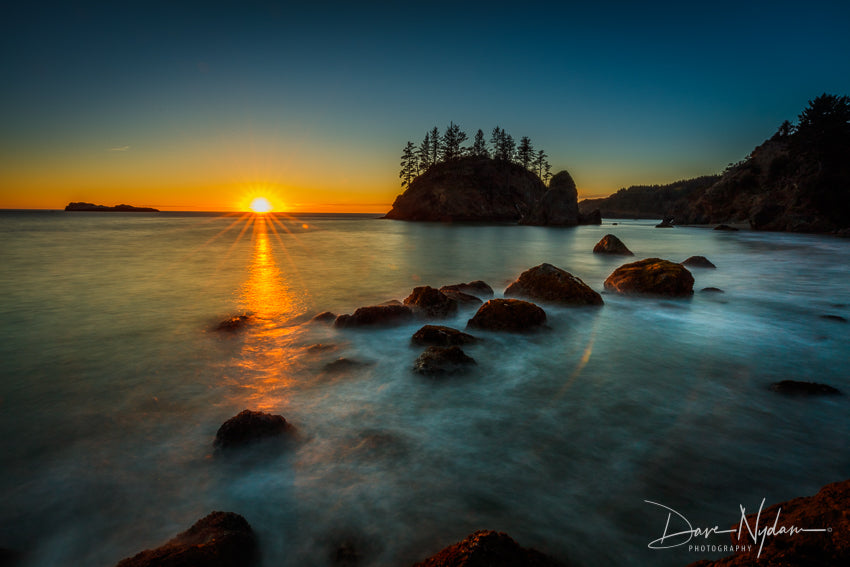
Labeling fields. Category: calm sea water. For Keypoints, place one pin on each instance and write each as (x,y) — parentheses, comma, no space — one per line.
(114,384)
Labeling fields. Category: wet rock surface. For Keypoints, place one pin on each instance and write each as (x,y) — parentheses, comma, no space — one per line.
(443,360)
(652,276)
(249,426)
(511,315)
(487,548)
(440,335)
(548,283)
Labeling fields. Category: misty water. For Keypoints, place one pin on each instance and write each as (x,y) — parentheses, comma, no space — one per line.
(114,384)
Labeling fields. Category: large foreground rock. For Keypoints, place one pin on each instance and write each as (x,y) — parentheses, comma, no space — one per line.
(558,206)
(440,335)
(651,276)
(429,302)
(375,316)
(469,189)
(828,509)
(249,426)
(610,244)
(222,539)
(548,283)
(443,360)
(488,549)
(513,315)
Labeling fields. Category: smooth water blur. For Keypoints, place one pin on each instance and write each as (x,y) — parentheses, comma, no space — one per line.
(114,383)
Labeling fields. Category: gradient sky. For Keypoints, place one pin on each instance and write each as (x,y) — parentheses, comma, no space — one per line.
(202,107)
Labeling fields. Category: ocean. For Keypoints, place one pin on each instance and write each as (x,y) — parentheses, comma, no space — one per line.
(114,382)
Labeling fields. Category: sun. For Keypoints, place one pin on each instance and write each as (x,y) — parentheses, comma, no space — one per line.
(261,205)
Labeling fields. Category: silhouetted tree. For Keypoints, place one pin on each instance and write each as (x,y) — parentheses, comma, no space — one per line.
(435,145)
(503,145)
(409,164)
(539,163)
(824,126)
(547,173)
(452,142)
(785,129)
(479,147)
(525,152)
(423,154)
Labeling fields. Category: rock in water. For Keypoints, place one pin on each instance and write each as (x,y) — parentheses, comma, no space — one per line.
(487,548)
(725,227)
(796,388)
(477,288)
(324,317)
(233,324)
(698,262)
(826,510)
(222,539)
(548,283)
(249,426)
(558,206)
(443,360)
(610,244)
(430,302)
(461,297)
(439,335)
(513,315)
(651,276)
(666,223)
(469,189)
(375,315)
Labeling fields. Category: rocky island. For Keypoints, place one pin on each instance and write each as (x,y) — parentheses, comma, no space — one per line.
(87,207)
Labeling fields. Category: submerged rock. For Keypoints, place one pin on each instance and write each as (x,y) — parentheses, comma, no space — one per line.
(343,365)
(221,539)
(666,223)
(836,318)
(477,288)
(610,244)
(548,283)
(712,290)
(233,324)
(440,335)
(725,227)
(698,262)
(826,510)
(793,387)
(513,315)
(375,315)
(443,360)
(486,548)
(430,302)
(324,317)
(249,426)
(651,276)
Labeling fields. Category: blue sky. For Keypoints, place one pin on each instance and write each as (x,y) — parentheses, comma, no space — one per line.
(180,105)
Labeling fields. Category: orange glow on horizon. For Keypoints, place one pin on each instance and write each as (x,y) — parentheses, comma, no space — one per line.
(261,205)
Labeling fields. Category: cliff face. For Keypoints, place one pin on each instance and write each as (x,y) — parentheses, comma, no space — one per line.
(651,201)
(469,189)
(558,206)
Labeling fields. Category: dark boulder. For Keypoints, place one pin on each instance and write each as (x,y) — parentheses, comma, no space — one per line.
(439,335)
(698,262)
(324,317)
(796,388)
(725,227)
(712,290)
(477,288)
(222,539)
(249,426)
(487,548)
(592,217)
(374,316)
(826,510)
(443,360)
(469,189)
(666,223)
(461,297)
(548,283)
(610,244)
(233,324)
(558,206)
(836,318)
(429,302)
(651,276)
(513,315)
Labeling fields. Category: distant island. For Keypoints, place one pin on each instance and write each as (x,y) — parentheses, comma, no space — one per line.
(104,208)
(797,181)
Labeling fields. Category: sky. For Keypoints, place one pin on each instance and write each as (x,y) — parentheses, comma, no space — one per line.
(204,106)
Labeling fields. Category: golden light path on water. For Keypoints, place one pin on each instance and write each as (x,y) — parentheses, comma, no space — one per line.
(268,297)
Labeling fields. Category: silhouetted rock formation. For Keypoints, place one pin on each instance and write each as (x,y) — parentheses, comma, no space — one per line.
(477,288)
(698,262)
(249,426)
(666,223)
(512,315)
(488,549)
(439,335)
(222,539)
(554,285)
(443,360)
(88,207)
(795,388)
(469,189)
(558,206)
(429,302)
(610,244)
(649,201)
(825,510)
(375,315)
(651,276)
